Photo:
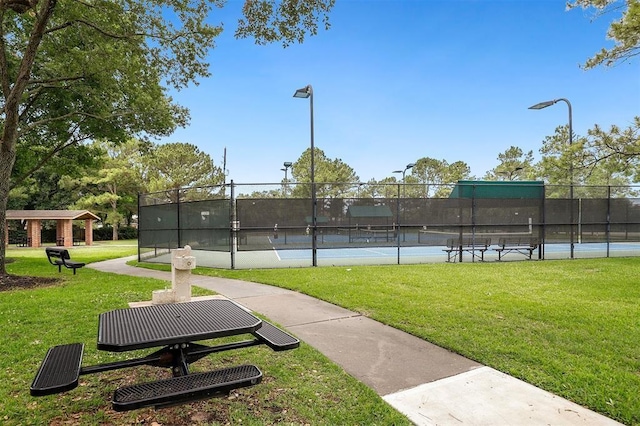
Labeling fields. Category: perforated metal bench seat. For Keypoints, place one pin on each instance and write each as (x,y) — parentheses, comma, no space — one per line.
(191,387)
(59,370)
(275,338)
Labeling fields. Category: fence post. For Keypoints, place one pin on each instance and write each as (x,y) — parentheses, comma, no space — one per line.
(233,228)
(398,222)
(608,231)
(138,213)
(178,218)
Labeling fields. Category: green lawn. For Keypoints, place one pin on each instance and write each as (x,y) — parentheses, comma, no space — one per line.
(299,386)
(570,327)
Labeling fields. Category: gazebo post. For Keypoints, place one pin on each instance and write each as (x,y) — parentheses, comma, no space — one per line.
(33,233)
(88,232)
(64,232)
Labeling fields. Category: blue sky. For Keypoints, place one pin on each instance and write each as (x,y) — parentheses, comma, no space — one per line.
(398,80)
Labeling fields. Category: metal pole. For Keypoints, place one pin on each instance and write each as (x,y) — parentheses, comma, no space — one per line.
(404,199)
(546,104)
(178,219)
(138,212)
(314,218)
(398,218)
(233,234)
(608,231)
(307,92)
(571,214)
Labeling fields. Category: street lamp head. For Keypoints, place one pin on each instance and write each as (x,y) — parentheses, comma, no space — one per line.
(543,104)
(304,92)
(410,165)
(287,164)
(398,171)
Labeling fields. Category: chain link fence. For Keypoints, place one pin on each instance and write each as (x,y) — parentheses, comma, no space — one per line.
(278,225)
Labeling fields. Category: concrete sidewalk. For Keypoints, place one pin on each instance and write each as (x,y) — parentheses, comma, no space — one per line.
(430,385)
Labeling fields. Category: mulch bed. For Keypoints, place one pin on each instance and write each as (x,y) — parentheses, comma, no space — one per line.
(18,282)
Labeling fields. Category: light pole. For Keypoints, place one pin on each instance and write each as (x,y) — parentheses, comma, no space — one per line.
(542,105)
(286,164)
(307,92)
(404,192)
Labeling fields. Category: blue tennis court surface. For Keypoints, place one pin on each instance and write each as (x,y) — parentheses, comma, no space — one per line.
(436,253)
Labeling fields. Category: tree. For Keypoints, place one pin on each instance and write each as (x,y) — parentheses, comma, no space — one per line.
(111,192)
(180,165)
(385,188)
(617,149)
(600,159)
(625,32)
(612,158)
(558,163)
(42,187)
(333,177)
(437,175)
(76,71)
(514,164)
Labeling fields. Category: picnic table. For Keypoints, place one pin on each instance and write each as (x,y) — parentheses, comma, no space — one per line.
(175,328)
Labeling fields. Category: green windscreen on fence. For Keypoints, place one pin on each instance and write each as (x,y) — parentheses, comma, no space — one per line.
(278,226)
(498,189)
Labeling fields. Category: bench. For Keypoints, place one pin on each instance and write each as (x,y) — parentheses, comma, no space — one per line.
(473,245)
(278,340)
(60,257)
(522,245)
(181,389)
(59,371)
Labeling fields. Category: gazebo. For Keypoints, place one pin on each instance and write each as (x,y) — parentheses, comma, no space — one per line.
(64,225)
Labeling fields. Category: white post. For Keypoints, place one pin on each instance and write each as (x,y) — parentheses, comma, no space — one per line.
(181,265)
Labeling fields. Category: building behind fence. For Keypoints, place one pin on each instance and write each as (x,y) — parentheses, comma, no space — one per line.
(276,225)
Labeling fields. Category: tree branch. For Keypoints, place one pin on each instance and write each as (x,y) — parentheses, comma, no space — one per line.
(4,76)
(48,157)
(37,123)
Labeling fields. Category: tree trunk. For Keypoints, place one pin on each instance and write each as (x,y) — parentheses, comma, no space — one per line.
(12,92)
(7,158)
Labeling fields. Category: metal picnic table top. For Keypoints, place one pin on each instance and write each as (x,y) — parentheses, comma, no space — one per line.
(159,325)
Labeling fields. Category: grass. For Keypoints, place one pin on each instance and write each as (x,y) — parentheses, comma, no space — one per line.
(570,327)
(299,387)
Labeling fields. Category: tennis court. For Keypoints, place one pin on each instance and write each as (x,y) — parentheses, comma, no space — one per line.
(278,257)
(431,254)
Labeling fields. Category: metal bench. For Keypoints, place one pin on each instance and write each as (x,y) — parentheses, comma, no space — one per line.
(60,257)
(59,371)
(474,245)
(181,389)
(522,245)
(275,338)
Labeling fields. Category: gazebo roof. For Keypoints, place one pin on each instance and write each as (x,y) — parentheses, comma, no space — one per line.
(50,215)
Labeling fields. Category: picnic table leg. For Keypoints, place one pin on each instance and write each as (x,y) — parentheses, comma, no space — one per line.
(180,364)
